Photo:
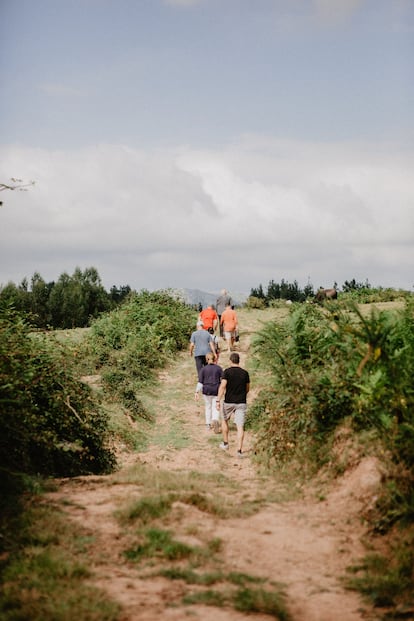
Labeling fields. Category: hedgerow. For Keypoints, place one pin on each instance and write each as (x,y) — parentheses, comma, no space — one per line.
(329,365)
(50,423)
(132,342)
(333,365)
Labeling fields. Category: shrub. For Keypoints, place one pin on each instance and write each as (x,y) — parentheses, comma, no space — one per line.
(255,302)
(49,422)
(131,342)
(328,366)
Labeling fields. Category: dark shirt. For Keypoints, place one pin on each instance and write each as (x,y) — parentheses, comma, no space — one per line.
(210,376)
(237,380)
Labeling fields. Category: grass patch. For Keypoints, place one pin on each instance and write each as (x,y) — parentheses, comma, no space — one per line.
(262,601)
(234,589)
(147,509)
(43,578)
(159,543)
(189,576)
(208,598)
(161,488)
(383,582)
(246,600)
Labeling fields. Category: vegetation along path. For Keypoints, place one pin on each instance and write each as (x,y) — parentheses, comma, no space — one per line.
(185,530)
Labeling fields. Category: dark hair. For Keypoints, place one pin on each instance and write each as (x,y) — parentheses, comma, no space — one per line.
(211,330)
(234,357)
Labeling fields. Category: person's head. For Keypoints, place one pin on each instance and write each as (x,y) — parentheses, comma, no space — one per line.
(209,358)
(234,357)
(223,292)
(200,325)
(211,330)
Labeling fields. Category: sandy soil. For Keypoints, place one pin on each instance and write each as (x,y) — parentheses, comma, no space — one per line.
(299,541)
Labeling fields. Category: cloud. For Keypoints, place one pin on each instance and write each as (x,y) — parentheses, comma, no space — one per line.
(183,3)
(61,90)
(252,211)
(336,11)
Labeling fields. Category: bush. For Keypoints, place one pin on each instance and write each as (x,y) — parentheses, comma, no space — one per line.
(50,424)
(130,343)
(255,302)
(328,366)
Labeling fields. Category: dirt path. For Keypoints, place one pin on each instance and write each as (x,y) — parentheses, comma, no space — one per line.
(294,541)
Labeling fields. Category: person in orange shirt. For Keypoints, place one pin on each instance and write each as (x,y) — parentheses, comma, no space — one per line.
(230,325)
(209,318)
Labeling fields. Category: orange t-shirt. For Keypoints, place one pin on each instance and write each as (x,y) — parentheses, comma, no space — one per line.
(208,316)
(229,320)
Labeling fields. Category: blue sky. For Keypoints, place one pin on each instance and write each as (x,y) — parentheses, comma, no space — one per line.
(208,143)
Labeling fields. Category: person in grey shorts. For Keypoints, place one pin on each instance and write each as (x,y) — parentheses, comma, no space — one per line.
(234,386)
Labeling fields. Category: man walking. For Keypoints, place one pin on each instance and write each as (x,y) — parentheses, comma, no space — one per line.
(201,343)
(234,386)
(230,326)
(209,318)
(222,301)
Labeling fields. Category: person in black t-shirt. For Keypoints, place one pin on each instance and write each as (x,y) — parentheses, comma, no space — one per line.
(234,386)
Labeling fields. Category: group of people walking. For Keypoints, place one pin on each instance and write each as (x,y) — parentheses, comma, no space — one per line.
(224,391)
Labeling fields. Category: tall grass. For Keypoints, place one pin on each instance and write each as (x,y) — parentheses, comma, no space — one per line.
(338,364)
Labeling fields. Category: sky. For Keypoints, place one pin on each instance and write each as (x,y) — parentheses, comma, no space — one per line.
(208,144)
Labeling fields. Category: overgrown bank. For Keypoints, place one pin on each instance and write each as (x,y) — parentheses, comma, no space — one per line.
(337,372)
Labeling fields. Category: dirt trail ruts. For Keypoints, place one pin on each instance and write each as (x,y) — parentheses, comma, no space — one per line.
(304,544)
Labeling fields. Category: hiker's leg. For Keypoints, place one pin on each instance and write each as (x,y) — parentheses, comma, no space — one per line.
(208,401)
(225,431)
(215,411)
(239,418)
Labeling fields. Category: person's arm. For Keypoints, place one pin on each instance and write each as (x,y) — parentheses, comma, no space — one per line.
(191,348)
(221,392)
(198,389)
(247,387)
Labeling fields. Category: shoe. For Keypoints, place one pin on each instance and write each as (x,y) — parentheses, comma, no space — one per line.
(223,446)
(240,455)
(208,427)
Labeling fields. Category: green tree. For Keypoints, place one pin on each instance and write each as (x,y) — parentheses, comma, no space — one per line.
(39,301)
(258,293)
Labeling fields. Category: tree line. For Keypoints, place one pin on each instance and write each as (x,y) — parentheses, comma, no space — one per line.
(70,302)
(363,291)
(73,301)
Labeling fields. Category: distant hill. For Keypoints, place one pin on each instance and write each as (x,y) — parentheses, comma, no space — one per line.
(196,297)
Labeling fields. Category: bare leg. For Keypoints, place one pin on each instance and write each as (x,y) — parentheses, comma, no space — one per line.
(225,431)
(240,437)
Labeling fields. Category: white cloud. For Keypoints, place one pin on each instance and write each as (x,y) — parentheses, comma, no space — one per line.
(61,90)
(253,211)
(336,11)
(182,3)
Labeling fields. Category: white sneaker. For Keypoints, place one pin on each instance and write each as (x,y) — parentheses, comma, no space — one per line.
(223,446)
